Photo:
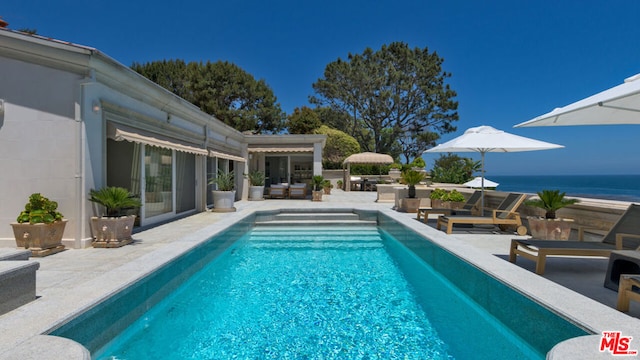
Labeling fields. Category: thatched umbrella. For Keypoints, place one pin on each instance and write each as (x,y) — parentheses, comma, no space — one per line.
(363,158)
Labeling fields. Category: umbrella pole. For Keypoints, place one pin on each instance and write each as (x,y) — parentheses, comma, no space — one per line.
(482,186)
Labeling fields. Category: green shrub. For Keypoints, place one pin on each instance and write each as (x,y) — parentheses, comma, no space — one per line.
(39,210)
(114,199)
(438,194)
(454,195)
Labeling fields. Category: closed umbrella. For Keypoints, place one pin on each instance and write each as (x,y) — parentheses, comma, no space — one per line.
(617,105)
(484,139)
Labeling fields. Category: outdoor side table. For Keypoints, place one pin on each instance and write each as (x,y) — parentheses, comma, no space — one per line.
(621,262)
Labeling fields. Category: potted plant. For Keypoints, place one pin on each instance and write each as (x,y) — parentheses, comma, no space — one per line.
(394,171)
(412,178)
(327,186)
(113,229)
(437,197)
(224,195)
(317,182)
(550,227)
(40,226)
(340,184)
(256,185)
(453,200)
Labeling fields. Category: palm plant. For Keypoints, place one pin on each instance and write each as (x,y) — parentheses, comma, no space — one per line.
(412,178)
(317,182)
(224,180)
(551,201)
(115,199)
(256,178)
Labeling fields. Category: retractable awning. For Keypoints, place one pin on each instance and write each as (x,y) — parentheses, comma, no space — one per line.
(222,155)
(119,132)
(280,148)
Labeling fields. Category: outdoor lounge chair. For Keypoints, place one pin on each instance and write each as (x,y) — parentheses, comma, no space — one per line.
(626,293)
(467,209)
(298,191)
(624,235)
(278,191)
(504,215)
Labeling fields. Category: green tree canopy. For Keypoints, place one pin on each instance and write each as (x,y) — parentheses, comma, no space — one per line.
(221,89)
(395,98)
(303,121)
(338,147)
(453,169)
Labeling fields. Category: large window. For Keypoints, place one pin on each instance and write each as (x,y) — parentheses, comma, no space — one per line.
(169,177)
(158,170)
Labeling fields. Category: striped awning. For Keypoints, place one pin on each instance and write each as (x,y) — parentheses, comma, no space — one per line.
(279,148)
(119,132)
(222,155)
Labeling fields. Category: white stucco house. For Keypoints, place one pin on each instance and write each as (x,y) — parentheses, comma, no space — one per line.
(74,119)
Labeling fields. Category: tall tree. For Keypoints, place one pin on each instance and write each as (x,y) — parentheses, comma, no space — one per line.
(396,97)
(221,89)
(303,121)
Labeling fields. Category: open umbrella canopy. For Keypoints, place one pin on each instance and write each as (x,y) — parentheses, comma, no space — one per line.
(484,139)
(478,182)
(618,105)
(368,158)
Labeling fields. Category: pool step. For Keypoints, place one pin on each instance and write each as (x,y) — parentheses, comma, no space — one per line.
(313,219)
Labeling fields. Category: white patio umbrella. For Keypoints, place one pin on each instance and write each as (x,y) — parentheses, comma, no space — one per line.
(617,105)
(478,181)
(484,139)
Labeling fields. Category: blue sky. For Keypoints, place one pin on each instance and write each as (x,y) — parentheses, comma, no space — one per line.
(510,60)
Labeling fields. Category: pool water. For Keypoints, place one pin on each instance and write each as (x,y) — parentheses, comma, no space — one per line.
(317,293)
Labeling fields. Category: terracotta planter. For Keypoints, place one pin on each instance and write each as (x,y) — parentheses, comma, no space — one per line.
(223,201)
(41,239)
(327,190)
(437,204)
(409,205)
(317,195)
(550,229)
(454,205)
(112,232)
(256,193)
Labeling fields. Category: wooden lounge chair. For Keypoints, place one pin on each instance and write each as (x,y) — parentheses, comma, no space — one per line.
(467,209)
(504,215)
(624,235)
(278,191)
(626,293)
(298,191)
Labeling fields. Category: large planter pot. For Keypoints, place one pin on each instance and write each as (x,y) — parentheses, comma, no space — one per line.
(454,205)
(256,193)
(437,204)
(327,190)
(112,232)
(316,195)
(549,229)
(41,239)
(409,205)
(223,201)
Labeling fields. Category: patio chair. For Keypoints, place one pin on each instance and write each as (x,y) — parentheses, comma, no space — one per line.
(278,191)
(504,215)
(298,191)
(467,209)
(624,235)
(626,293)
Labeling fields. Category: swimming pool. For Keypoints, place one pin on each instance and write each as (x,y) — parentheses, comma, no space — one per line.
(426,296)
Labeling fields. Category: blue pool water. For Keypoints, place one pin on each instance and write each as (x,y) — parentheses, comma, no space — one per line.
(334,294)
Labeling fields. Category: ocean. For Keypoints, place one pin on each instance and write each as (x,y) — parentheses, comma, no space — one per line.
(612,187)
